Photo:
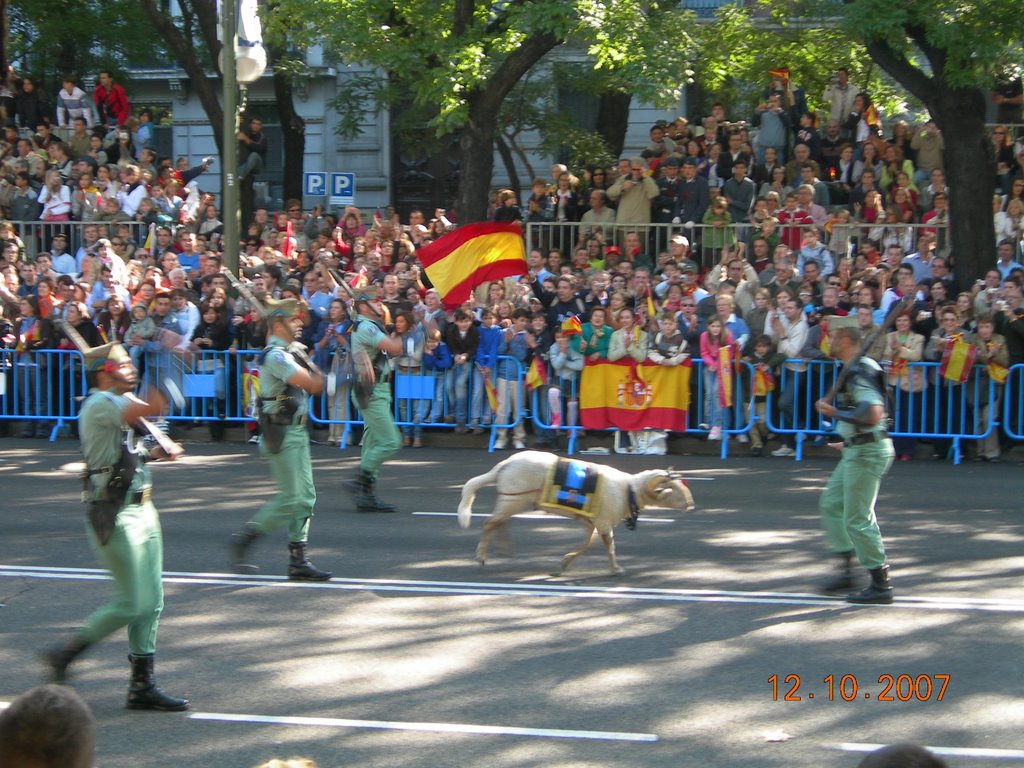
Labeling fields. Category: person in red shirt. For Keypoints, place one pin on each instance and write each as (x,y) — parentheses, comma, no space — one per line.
(111,101)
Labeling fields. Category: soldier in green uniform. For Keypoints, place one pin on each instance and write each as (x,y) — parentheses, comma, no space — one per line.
(286,376)
(372,392)
(124,528)
(847,504)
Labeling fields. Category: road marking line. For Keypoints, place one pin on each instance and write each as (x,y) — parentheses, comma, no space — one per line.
(397,725)
(1003,754)
(526,590)
(536,516)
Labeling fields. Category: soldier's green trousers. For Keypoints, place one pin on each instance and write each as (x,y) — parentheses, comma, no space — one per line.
(134,555)
(381,438)
(292,471)
(847,504)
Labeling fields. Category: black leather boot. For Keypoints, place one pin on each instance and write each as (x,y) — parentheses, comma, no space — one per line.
(238,548)
(142,691)
(299,567)
(842,581)
(367,500)
(356,484)
(878,591)
(58,658)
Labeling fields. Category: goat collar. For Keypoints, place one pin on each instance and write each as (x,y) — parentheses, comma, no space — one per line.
(634,510)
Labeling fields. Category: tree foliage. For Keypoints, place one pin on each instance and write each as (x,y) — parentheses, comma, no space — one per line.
(49,38)
(452,64)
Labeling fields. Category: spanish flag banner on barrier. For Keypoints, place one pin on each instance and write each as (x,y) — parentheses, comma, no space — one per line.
(630,396)
(536,374)
(492,393)
(724,375)
(998,373)
(764,382)
(957,359)
(471,255)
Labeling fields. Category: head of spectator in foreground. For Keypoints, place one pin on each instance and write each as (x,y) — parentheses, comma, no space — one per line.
(901,756)
(47,727)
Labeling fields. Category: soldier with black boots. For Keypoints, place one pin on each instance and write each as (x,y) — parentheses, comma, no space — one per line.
(124,526)
(847,504)
(286,376)
(381,439)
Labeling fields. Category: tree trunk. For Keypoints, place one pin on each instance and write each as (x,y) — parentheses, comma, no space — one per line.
(510,165)
(187,57)
(476,145)
(970,176)
(613,119)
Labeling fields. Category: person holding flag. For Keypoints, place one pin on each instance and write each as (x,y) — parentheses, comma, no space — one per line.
(956,358)
(516,342)
(719,352)
(993,354)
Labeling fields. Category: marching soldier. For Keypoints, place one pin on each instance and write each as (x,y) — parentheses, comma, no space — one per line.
(124,529)
(286,376)
(847,504)
(370,347)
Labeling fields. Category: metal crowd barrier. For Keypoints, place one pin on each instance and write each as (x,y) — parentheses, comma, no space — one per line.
(706,240)
(37,235)
(739,417)
(940,411)
(422,399)
(1013,403)
(43,390)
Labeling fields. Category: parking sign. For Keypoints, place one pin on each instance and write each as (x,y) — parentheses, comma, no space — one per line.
(343,189)
(314,184)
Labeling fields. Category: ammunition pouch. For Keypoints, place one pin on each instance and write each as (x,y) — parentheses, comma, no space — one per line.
(274,424)
(102,512)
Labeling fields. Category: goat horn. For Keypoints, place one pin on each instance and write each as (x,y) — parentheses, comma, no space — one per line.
(652,484)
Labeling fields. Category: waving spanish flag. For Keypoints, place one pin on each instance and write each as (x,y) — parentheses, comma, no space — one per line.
(492,393)
(537,374)
(957,360)
(571,325)
(471,255)
(764,382)
(725,365)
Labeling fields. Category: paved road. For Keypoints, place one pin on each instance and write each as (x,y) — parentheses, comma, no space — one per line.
(415,656)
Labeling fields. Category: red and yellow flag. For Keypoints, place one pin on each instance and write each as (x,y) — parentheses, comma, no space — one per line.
(998,373)
(471,255)
(634,396)
(764,382)
(492,393)
(536,374)
(824,343)
(782,74)
(725,392)
(572,326)
(957,359)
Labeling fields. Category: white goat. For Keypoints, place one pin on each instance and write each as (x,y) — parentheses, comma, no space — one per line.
(520,481)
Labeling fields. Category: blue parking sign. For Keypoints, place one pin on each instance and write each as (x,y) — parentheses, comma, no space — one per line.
(314,184)
(343,189)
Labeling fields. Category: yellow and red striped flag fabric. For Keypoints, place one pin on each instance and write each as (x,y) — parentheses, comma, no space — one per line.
(634,396)
(824,343)
(472,254)
(492,393)
(725,393)
(957,359)
(764,382)
(536,374)
(998,372)
(571,325)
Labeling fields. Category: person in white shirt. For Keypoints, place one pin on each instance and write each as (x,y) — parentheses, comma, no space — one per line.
(788,326)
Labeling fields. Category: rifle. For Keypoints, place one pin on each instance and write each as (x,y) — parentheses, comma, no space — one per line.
(295,348)
(847,370)
(168,446)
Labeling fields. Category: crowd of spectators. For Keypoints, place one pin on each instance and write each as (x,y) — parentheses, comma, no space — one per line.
(756,238)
